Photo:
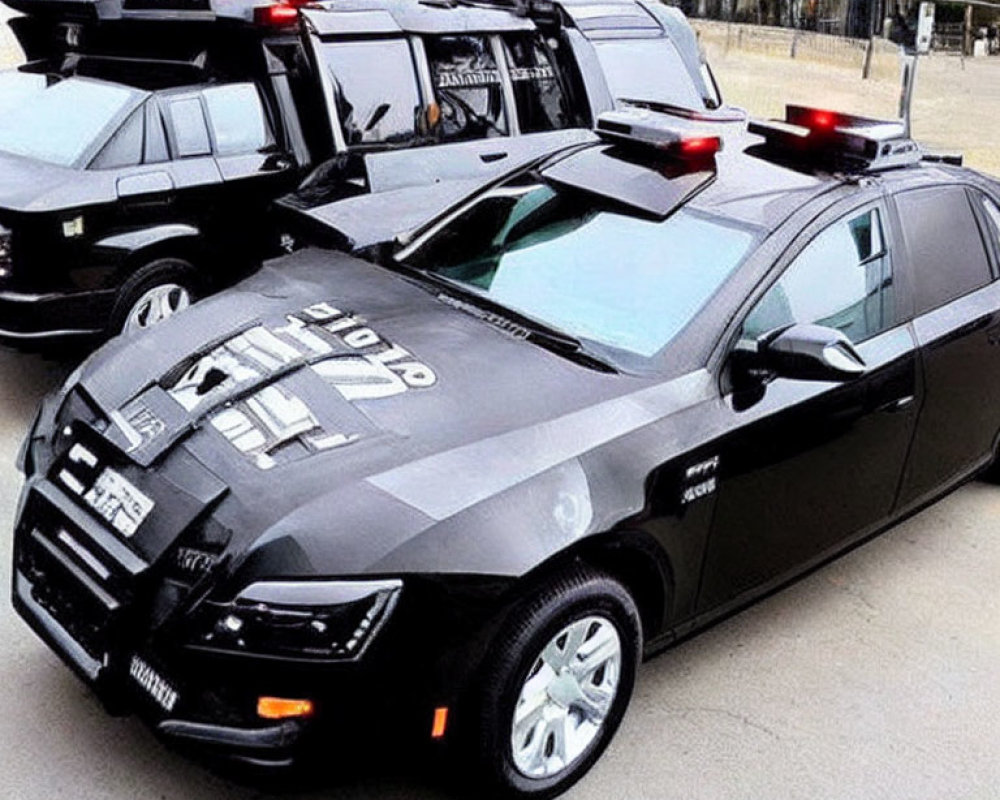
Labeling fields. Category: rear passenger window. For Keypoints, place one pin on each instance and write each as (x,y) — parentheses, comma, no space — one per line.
(237,117)
(944,244)
(125,147)
(537,93)
(468,87)
(190,131)
(841,279)
(375,90)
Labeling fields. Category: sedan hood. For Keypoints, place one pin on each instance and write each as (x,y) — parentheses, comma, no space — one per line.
(295,391)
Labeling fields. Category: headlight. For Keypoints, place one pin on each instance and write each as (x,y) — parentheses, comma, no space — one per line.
(299,619)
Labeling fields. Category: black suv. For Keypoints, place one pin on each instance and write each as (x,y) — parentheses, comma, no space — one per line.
(140,149)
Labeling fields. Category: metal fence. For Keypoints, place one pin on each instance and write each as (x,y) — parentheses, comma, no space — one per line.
(881,56)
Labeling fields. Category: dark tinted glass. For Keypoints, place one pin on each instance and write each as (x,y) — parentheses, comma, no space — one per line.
(237,118)
(841,279)
(60,124)
(125,147)
(468,87)
(944,245)
(580,266)
(647,69)
(375,90)
(190,130)
(537,93)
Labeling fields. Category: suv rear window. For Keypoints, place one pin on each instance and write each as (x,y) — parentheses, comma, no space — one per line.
(944,245)
(647,69)
(468,86)
(537,93)
(375,105)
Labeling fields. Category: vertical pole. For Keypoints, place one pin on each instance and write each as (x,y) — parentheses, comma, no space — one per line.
(866,70)
(967,32)
(909,69)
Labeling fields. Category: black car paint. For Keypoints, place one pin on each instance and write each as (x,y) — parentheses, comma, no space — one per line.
(699,495)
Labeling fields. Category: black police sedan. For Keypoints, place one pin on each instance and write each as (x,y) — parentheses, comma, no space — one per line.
(598,404)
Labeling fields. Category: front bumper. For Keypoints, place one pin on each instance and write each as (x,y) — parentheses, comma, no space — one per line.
(206,702)
(26,316)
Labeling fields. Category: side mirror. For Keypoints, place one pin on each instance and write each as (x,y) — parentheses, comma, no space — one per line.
(800,352)
(812,353)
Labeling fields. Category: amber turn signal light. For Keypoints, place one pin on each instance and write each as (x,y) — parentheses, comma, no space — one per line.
(440,722)
(283,708)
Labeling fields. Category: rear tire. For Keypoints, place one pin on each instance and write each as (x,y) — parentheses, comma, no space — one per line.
(560,677)
(154,293)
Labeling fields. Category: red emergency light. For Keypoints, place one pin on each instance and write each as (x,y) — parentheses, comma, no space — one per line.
(280,15)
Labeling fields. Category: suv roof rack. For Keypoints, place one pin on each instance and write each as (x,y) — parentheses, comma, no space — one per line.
(851,142)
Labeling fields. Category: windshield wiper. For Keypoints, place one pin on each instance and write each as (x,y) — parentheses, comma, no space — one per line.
(514,323)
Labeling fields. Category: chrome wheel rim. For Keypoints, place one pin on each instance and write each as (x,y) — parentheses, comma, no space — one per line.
(566,697)
(156,305)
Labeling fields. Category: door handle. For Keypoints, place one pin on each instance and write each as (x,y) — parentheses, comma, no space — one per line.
(489,158)
(897,405)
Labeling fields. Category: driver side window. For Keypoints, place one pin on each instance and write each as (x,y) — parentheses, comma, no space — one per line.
(842,279)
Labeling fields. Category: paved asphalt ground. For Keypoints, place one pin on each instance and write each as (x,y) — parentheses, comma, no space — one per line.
(876,677)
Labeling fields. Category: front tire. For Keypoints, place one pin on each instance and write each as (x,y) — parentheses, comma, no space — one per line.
(560,678)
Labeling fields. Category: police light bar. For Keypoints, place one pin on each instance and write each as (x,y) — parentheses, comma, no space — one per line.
(278,15)
(855,142)
(640,126)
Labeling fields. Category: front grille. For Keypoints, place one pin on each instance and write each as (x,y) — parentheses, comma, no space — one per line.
(87,616)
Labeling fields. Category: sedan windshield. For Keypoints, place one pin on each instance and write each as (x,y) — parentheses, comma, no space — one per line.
(647,69)
(62,123)
(573,263)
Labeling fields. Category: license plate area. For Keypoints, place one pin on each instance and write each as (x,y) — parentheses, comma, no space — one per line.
(151,683)
(118,502)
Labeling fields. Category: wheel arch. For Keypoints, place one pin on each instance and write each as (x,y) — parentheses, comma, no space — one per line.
(634,559)
(132,250)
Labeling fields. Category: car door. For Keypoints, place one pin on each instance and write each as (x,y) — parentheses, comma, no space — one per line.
(255,169)
(807,465)
(957,325)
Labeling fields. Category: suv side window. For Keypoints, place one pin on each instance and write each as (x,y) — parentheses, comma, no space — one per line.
(237,117)
(375,105)
(841,279)
(537,93)
(944,245)
(468,86)
(190,130)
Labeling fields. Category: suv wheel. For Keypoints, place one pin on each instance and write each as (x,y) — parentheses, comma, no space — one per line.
(154,293)
(560,678)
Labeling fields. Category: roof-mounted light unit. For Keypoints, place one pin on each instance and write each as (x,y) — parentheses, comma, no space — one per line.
(852,142)
(283,14)
(644,128)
